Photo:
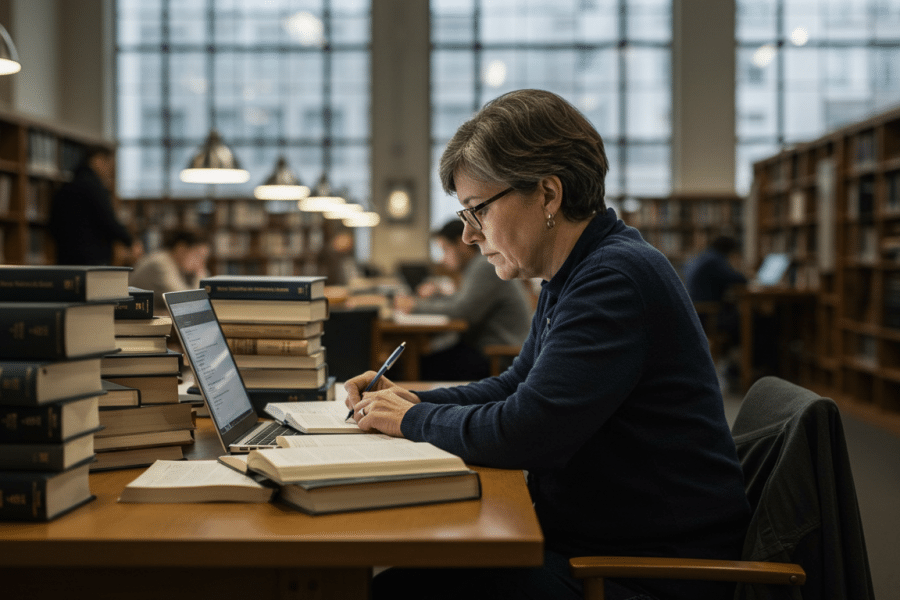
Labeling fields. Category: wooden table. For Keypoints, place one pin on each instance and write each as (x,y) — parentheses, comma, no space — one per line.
(387,335)
(752,300)
(228,551)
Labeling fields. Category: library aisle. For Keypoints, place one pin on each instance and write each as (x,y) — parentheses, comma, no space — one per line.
(875,460)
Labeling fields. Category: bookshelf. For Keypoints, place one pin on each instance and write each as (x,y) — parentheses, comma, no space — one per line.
(247,236)
(834,205)
(681,226)
(35,159)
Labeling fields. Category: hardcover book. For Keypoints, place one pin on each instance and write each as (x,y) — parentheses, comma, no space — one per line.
(55,422)
(49,456)
(262,361)
(264,287)
(124,363)
(32,383)
(154,389)
(140,419)
(118,395)
(134,457)
(289,331)
(41,283)
(270,311)
(144,440)
(285,378)
(143,327)
(275,347)
(313,417)
(138,306)
(374,457)
(55,330)
(41,496)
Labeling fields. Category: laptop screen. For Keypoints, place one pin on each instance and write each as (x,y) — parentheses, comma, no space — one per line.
(213,365)
(773,268)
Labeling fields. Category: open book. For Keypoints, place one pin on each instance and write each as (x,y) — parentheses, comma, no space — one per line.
(373,456)
(313,416)
(194,481)
(367,492)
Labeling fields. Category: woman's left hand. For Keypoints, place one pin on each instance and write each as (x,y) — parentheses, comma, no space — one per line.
(383,410)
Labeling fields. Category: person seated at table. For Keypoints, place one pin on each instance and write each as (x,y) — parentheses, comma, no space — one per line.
(179,265)
(612,407)
(497,311)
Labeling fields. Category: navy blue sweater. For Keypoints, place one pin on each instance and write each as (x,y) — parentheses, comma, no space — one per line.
(614,409)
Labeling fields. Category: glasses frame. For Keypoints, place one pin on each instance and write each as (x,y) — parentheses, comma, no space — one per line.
(468,215)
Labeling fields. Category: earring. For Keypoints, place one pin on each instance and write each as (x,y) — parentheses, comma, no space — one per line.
(551,223)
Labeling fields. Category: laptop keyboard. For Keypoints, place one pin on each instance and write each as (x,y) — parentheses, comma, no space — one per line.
(266,436)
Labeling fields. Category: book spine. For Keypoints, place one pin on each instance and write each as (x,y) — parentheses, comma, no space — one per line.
(23,497)
(18,384)
(289,290)
(262,396)
(139,307)
(31,424)
(32,457)
(32,332)
(42,285)
(269,347)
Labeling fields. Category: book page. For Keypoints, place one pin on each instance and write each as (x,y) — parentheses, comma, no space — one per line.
(300,441)
(312,417)
(190,474)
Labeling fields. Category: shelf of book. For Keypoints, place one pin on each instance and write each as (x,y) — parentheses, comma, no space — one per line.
(833,204)
(247,236)
(681,226)
(35,158)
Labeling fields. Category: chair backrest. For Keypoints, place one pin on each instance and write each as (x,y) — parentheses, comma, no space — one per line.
(797,474)
(348,341)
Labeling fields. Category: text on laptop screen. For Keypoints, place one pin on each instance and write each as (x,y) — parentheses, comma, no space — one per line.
(213,365)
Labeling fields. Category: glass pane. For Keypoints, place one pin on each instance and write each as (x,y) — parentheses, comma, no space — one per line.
(350,171)
(648,95)
(649,20)
(647,169)
(615,177)
(844,21)
(304,84)
(139,22)
(189,96)
(803,119)
(745,156)
(887,77)
(140,171)
(887,20)
(756,97)
(188,22)
(350,94)
(443,206)
(505,21)
(139,95)
(452,21)
(350,21)
(755,20)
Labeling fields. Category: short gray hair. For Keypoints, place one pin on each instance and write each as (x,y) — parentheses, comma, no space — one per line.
(524,136)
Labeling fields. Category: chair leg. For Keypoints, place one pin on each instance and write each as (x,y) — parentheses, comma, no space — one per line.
(593,589)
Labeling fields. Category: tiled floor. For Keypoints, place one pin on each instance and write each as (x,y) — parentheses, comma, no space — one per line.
(875,460)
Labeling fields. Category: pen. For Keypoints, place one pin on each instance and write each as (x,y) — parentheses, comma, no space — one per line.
(387,365)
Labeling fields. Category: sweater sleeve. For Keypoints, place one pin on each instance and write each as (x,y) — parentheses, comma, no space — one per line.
(582,359)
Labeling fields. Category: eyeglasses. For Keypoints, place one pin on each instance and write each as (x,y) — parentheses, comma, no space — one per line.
(468,215)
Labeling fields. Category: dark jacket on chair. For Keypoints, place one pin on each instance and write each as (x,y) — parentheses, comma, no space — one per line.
(794,456)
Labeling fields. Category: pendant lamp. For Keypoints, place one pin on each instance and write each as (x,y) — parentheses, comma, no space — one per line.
(9,58)
(321,199)
(214,163)
(282,184)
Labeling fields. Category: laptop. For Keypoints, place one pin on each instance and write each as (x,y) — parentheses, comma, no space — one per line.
(236,422)
(772,270)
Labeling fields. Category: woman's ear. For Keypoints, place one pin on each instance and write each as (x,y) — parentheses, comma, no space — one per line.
(551,194)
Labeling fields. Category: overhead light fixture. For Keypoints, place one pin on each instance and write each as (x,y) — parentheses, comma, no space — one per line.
(214,163)
(343,211)
(282,184)
(9,58)
(321,199)
(363,219)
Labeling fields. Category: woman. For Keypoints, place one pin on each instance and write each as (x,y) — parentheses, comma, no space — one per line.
(613,406)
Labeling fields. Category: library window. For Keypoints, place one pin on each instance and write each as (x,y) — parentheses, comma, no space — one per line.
(810,67)
(610,58)
(278,77)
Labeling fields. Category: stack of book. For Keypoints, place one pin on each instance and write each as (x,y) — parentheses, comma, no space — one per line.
(274,328)
(55,325)
(141,415)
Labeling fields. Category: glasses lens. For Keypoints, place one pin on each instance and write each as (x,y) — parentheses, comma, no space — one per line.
(469,219)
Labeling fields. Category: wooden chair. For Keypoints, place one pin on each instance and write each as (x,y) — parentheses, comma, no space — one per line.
(791,445)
